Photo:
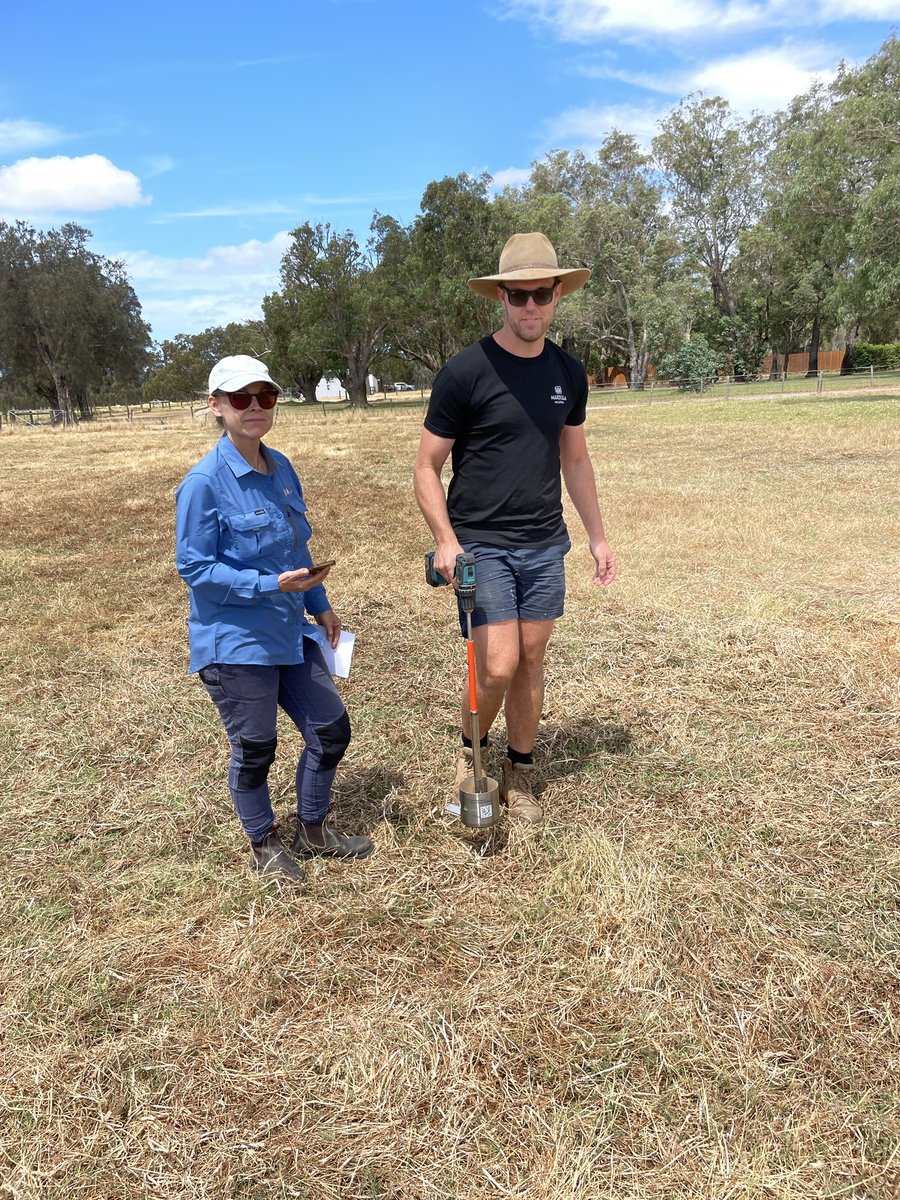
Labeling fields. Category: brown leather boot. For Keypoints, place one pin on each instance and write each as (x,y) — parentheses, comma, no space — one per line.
(517,791)
(465,765)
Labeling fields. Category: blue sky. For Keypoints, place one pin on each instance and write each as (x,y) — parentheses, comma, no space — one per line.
(191,137)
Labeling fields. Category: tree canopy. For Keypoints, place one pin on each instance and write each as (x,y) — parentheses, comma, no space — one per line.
(765,236)
(69,318)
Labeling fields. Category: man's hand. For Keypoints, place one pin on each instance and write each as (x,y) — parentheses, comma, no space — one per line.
(330,622)
(606,563)
(445,560)
(301,580)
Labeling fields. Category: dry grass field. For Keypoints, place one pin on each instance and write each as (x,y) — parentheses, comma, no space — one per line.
(685,985)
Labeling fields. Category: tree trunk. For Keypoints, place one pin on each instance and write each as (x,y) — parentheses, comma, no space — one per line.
(356,390)
(63,397)
(774,372)
(722,295)
(638,364)
(307,382)
(355,382)
(849,360)
(813,368)
(64,400)
(635,375)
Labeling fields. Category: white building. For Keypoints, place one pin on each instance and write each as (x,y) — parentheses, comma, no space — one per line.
(331,389)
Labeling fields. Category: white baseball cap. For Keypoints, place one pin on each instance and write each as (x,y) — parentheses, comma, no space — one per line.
(233,373)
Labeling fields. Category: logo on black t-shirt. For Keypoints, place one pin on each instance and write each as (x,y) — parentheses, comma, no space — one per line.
(559,396)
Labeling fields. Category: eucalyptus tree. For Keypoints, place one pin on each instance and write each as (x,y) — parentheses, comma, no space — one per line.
(338,286)
(832,214)
(180,365)
(607,213)
(810,201)
(67,314)
(457,234)
(638,256)
(295,357)
(863,128)
(712,163)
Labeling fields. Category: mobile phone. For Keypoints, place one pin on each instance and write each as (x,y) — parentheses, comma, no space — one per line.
(316,567)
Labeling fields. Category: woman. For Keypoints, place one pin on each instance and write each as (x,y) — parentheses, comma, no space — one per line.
(242,549)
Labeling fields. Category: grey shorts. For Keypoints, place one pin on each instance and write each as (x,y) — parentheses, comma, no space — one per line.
(517,585)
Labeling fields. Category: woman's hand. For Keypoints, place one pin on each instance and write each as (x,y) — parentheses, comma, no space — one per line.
(301,580)
(331,623)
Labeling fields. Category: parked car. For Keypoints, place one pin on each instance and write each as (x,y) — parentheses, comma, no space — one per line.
(403,387)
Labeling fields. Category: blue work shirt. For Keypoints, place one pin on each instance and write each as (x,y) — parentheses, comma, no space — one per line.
(236,531)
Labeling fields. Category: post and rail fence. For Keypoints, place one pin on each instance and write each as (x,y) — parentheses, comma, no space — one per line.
(617,390)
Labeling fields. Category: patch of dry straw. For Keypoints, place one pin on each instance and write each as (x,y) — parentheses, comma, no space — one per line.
(684,985)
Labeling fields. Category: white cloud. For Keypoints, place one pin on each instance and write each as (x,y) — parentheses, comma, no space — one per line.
(21,135)
(67,185)
(765,79)
(761,80)
(860,10)
(186,295)
(588,20)
(591,20)
(587,127)
(159,164)
(510,177)
(264,208)
(284,208)
(169,316)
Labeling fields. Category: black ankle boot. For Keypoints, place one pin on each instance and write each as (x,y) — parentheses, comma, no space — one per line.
(313,840)
(270,857)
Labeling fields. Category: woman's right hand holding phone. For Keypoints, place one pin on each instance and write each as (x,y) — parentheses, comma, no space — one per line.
(302,579)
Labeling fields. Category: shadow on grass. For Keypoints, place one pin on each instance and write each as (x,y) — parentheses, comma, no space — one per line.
(366,795)
(483,843)
(850,397)
(561,750)
(567,747)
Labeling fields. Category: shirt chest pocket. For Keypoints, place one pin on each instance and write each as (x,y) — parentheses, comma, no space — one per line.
(251,533)
(301,530)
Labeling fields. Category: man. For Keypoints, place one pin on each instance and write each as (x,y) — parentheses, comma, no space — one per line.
(510,411)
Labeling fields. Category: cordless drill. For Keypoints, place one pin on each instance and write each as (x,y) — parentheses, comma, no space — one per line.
(463,575)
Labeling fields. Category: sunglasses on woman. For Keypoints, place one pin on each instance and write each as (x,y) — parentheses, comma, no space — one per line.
(267,398)
(519,297)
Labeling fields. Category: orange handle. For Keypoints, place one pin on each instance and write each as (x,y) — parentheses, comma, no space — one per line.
(473,694)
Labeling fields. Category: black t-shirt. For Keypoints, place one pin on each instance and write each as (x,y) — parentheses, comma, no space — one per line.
(506,414)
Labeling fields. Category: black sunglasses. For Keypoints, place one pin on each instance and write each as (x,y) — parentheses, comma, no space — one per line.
(242,400)
(519,297)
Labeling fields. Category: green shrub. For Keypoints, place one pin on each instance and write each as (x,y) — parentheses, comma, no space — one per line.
(692,366)
(868,354)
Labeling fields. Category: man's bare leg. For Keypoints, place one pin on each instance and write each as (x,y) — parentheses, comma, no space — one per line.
(524,702)
(525,691)
(497,649)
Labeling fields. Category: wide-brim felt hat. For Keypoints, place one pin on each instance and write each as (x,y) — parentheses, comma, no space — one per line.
(530,256)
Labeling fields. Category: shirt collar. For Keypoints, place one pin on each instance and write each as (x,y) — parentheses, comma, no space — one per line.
(233,457)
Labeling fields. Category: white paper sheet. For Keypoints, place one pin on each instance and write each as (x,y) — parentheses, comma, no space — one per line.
(339,660)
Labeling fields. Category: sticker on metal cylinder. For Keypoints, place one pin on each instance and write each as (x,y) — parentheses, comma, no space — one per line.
(485,811)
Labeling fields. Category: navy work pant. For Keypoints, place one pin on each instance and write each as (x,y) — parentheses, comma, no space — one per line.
(248,698)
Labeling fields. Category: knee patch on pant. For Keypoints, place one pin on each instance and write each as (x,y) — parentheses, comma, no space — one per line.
(258,757)
(334,739)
